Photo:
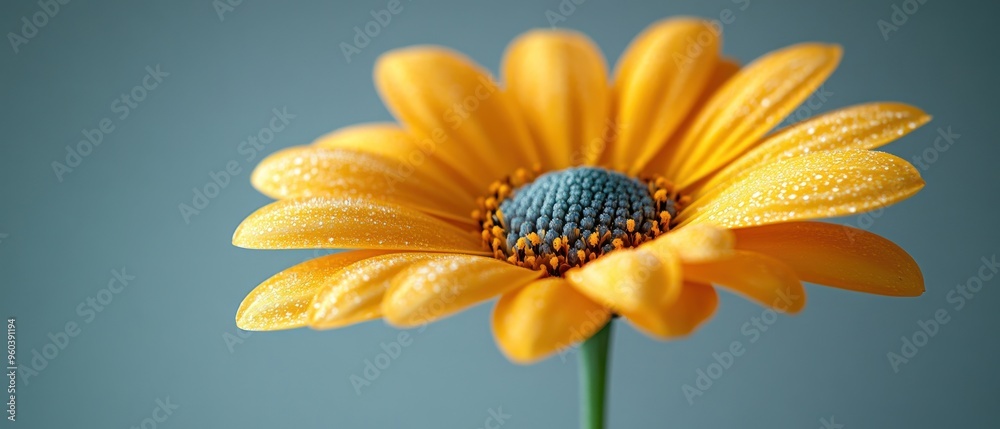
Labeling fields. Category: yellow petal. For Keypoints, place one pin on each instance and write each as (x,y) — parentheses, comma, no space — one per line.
(557,79)
(346,223)
(442,96)
(838,256)
(659,78)
(696,243)
(390,141)
(384,139)
(309,171)
(865,126)
(630,280)
(355,293)
(283,301)
(544,317)
(761,278)
(724,69)
(748,106)
(435,288)
(819,185)
(695,304)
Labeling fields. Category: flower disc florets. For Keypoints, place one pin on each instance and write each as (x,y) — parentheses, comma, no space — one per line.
(567,218)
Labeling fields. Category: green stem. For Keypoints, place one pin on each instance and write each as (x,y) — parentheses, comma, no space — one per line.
(593,368)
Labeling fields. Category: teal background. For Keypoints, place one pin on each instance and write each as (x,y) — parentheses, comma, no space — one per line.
(164,336)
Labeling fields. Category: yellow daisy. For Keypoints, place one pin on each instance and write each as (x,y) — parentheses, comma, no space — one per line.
(574,196)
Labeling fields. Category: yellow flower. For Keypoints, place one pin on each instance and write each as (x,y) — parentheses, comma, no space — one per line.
(589,196)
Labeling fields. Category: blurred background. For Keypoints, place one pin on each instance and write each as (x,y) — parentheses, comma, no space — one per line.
(125,305)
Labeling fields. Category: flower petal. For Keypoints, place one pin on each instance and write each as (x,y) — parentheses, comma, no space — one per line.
(838,256)
(696,243)
(435,288)
(558,80)
(308,171)
(748,106)
(865,126)
(384,139)
(544,317)
(390,141)
(443,96)
(823,184)
(761,278)
(355,293)
(659,78)
(695,304)
(283,301)
(350,223)
(635,280)
(724,69)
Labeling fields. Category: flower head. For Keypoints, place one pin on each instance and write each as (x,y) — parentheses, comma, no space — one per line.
(573,197)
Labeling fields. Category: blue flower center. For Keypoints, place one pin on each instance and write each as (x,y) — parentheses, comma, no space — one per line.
(568,217)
